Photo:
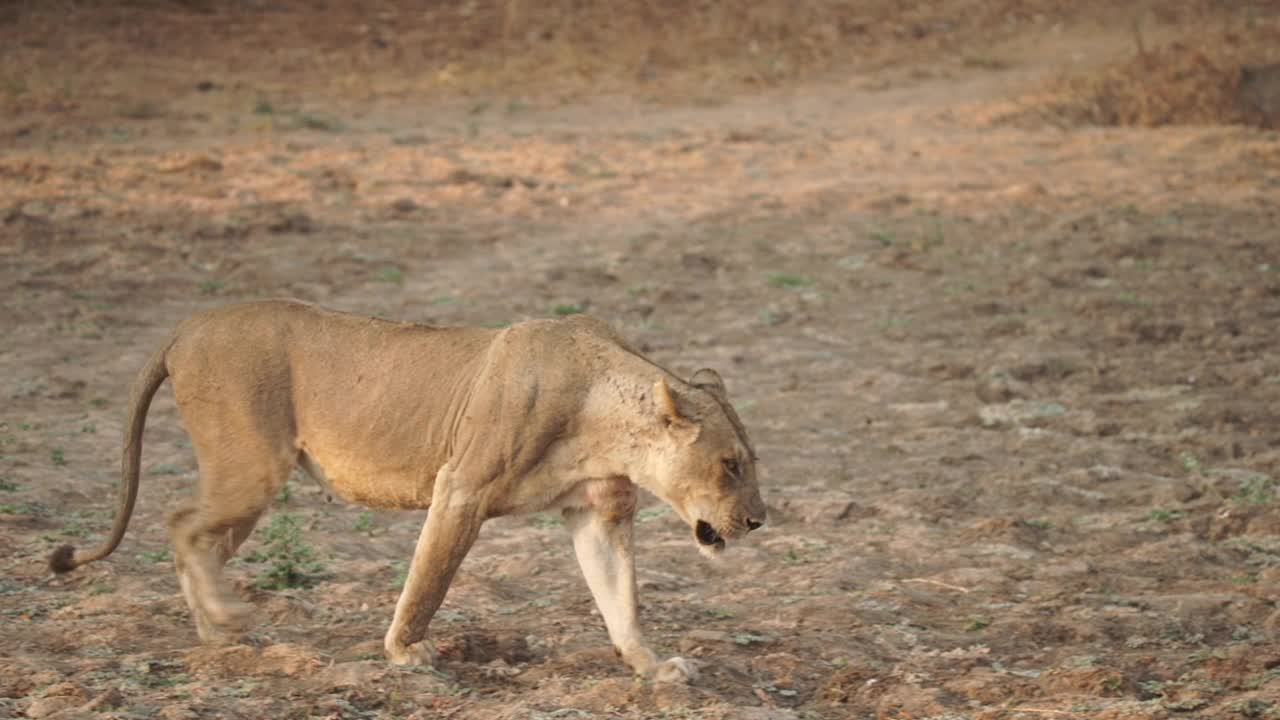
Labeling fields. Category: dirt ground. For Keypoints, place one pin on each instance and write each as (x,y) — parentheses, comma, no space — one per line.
(1014,386)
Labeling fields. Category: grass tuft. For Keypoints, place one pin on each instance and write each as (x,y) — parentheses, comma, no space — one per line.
(291,562)
(789,280)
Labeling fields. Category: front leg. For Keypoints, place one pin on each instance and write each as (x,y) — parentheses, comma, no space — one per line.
(451,527)
(602,541)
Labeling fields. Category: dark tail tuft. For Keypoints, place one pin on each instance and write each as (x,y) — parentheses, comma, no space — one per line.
(63,559)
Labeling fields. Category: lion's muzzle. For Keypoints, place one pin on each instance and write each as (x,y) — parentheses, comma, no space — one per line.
(707,535)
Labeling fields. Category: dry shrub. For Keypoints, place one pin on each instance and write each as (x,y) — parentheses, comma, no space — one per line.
(619,45)
(756,42)
(1208,79)
(69,55)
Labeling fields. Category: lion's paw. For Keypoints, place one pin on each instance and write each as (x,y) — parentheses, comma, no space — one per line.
(419,654)
(215,635)
(229,616)
(676,670)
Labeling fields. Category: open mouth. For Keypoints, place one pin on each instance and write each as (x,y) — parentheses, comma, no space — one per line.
(708,536)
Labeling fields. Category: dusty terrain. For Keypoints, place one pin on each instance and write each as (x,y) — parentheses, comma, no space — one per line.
(1014,385)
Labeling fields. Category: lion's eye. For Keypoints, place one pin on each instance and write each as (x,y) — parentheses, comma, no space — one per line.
(732,469)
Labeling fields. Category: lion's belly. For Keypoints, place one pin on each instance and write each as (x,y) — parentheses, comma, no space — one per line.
(385,484)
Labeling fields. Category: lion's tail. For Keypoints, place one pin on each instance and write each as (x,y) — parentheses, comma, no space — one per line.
(65,558)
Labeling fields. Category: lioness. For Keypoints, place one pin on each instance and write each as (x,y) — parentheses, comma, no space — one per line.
(472,423)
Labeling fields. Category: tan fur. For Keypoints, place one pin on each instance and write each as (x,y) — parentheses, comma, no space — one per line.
(471,423)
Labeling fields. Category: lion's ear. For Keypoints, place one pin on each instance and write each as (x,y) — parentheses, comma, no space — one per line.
(669,415)
(665,402)
(709,380)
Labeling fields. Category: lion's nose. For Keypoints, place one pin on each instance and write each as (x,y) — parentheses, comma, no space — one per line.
(754,524)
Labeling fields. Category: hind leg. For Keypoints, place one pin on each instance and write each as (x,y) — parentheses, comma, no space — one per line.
(207,532)
(180,522)
(204,628)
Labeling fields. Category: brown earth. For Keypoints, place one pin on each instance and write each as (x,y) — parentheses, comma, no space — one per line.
(1014,386)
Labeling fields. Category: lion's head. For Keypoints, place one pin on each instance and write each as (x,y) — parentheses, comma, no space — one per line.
(707,471)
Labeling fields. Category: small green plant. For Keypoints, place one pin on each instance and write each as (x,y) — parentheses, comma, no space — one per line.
(75,528)
(930,239)
(769,317)
(1040,524)
(7,485)
(1162,515)
(402,574)
(98,402)
(211,287)
(567,309)
(363,521)
(1257,680)
(141,110)
(884,237)
(650,514)
(789,280)
(1206,654)
(978,623)
(1243,633)
(57,457)
(1257,490)
(155,556)
(285,495)
(315,121)
(1129,298)
(263,107)
(893,322)
(291,562)
(161,680)
(746,638)
(242,689)
(546,521)
(1190,462)
(390,274)
(1255,708)
(1152,688)
(15,85)
(720,613)
(985,62)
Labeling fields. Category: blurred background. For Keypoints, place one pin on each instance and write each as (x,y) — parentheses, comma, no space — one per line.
(993,285)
